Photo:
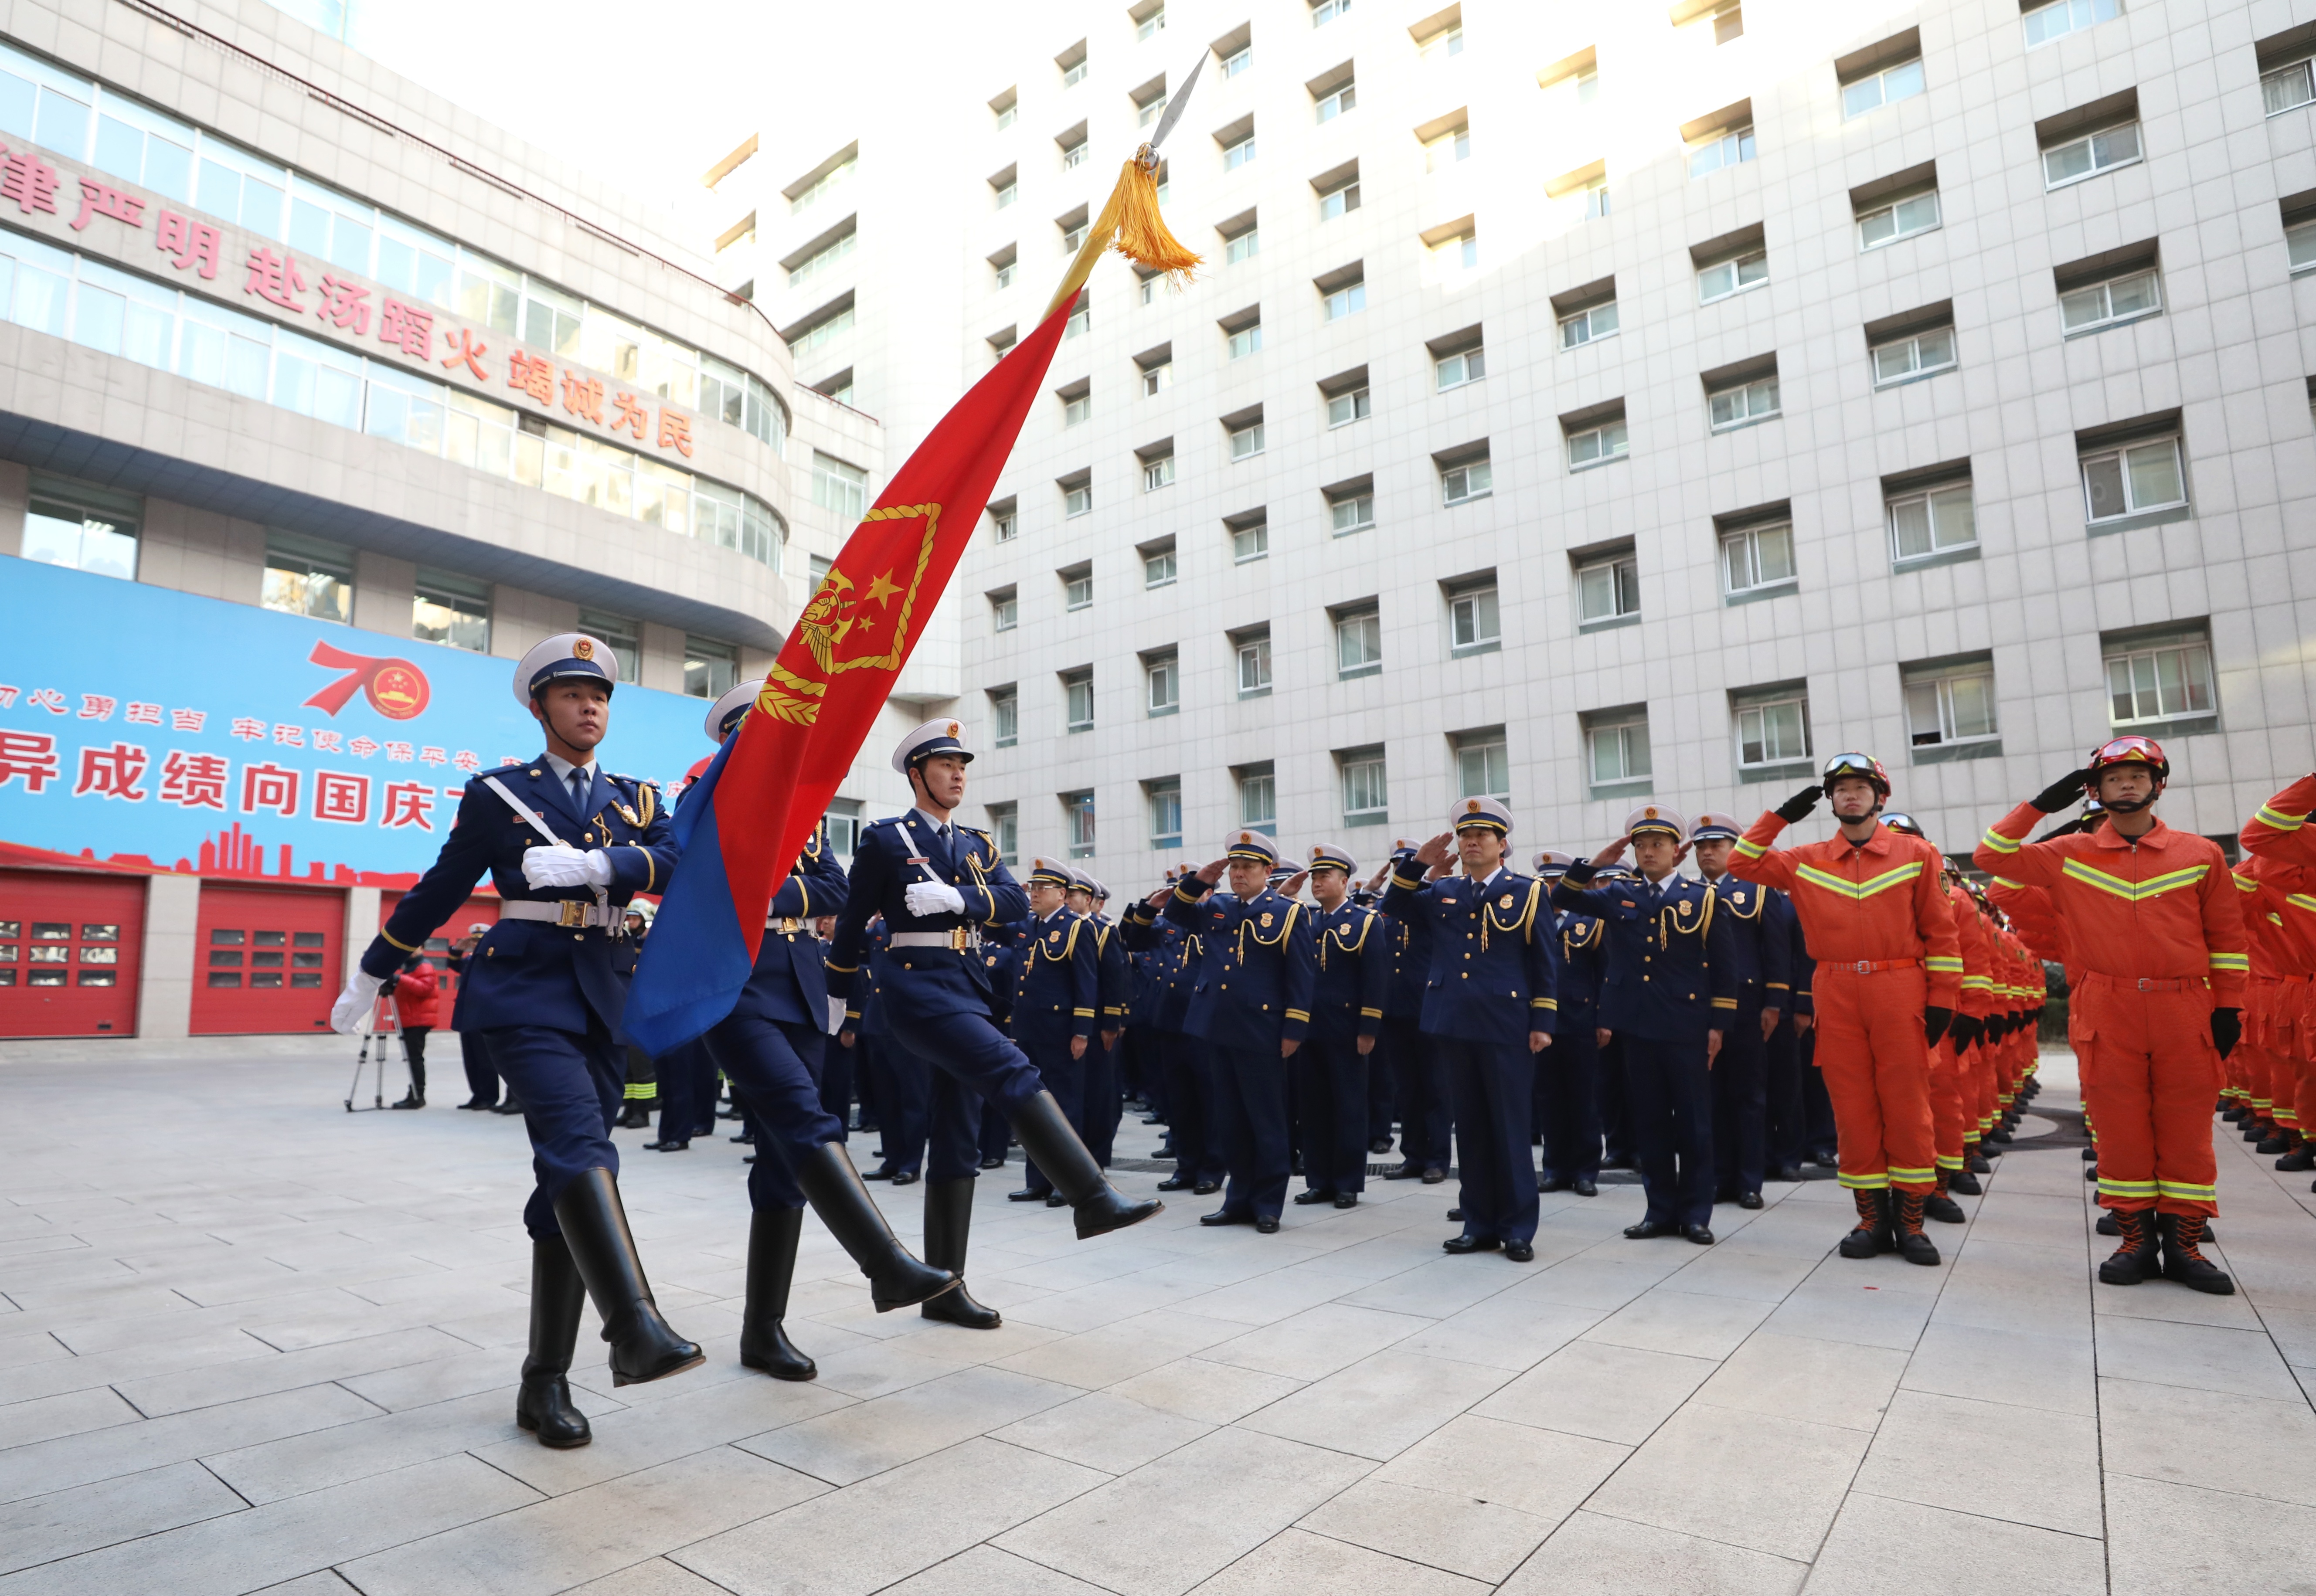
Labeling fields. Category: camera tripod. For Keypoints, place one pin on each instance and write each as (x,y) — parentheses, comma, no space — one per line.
(385,1025)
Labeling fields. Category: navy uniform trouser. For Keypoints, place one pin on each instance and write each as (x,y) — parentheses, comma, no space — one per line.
(1568,1097)
(1332,1103)
(996,1135)
(775,1074)
(1101,1099)
(836,1062)
(1740,1102)
(1380,1095)
(1250,1122)
(1616,1113)
(904,1087)
(571,1085)
(1817,1102)
(1493,1086)
(1189,1071)
(1066,1078)
(687,1091)
(1422,1082)
(970,1062)
(1783,1137)
(1670,1094)
(482,1074)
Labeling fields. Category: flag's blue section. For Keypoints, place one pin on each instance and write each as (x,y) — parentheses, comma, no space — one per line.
(695,960)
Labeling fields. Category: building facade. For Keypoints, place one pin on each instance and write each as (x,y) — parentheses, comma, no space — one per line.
(1580,405)
(321,402)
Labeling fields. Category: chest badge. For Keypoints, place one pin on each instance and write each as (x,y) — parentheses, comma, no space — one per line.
(1505,902)
(1266,920)
(629,816)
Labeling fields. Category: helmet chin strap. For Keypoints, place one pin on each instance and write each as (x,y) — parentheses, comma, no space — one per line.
(2130,805)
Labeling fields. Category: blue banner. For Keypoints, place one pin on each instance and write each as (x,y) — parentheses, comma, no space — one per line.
(142,724)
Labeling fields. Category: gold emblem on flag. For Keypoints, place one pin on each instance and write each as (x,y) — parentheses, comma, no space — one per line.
(843,613)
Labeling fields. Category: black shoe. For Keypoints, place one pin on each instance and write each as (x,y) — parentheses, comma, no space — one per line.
(1175,1183)
(883,1172)
(1787,1174)
(644,1346)
(1408,1171)
(1306,1199)
(1980,1164)
(1026,1194)
(1266,1225)
(896,1278)
(1455,1216)
(1702,1235)
(508,1107)
(1944,1208)
(1748,1200)
(901,1177)
(1223,1216)
(1206,1188)
(949,1227)
(636,1117)
(1296,1168)
(2268,1148)
(751,1158)
(410,1099)
(1381,1144)
(668,1146)
(1584,1185)
(559,1297)
(1460,1244)
(1055,1200)
(745,1139)
(2106,1225)
(1964,1182)
(1827,1159)
(2140,1257)
(1432,1177)
(1097,1207)
(1649,1230)
(2234,1111)
(1554,1184)
(2303,1157)
(2182,1236)
(2090,1172)
(997,1162)
(476,1103)
(764,1343)
(1520,1252)
(1152,1119)
(1347,1199)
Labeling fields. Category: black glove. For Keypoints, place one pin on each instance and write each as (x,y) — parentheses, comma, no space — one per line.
(1796,807)
(2227,1029)
(2060,793)
(1965,1030)
(1934,1021)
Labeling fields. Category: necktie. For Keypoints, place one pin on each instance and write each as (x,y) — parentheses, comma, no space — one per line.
(579,785)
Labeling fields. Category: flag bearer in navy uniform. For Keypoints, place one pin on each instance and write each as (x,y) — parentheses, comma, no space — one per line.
(1186,1064)
(1346,1018)
(1251,1006)
(1669,994)
(1489,1002)
(1055,999)
(1103,1105)
(1416,1071)
(770,1047)
(1762,940)
(938,883)
(567,845)
(1568,1074)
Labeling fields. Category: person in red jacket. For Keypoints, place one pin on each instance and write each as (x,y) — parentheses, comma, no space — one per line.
(2152,921)
(413,992)
(1889,978)
(1950,1071)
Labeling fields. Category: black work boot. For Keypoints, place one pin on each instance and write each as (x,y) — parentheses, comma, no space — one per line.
(1045,1136)
(2279,1139)
(764,1344)
(1965,1181)
(1872,1233)
(2301,1157)
(833,1186)
(636,1117)
(1912,1244)
(415,1097)
(644,1347)
(1940,1207)
(948,1222)
(2182,1237)
(557,1297)
(2138,1258)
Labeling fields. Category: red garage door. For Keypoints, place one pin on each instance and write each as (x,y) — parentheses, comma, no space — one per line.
(479,910)
(266,959)
(68,952)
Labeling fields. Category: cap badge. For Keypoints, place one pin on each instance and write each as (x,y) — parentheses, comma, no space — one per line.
(955,729)
(1471,806)
(582,649)
(1649,814)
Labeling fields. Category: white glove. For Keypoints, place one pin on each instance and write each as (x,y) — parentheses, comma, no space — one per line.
(352,1009)
(836,1015)
(563,865)
(926,899)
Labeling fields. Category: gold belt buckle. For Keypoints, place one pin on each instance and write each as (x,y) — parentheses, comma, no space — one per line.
(791,926)
(570,913)
(957,940)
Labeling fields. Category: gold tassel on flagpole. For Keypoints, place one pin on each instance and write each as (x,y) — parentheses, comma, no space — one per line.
(1131,223)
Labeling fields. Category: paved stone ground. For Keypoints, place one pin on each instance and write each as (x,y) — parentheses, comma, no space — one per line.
(249,1342)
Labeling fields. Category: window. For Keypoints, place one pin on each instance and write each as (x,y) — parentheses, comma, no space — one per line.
(1343,408)
(1004,274)
(1077,498)
(1950,704)
(1733,276)
(844,818)
(1448,149)
(1332,106)
(1885,87)
(1073,73)
(1472,619)
(1000,342)
(1158,375)
(1005,831)
(710,668)
(1345,301)
(1773,730)
(1077,699)
(2091,154)
(1245,340)
(1241,247)
(1164,800)
(1595,197)
(1008,191)
(1589,325)
(1150,25)
(2158,680)
(1237,61)
(835,178)
(1899,219)
(1446,43)
(624,633)
(1162,683)
(1729,147)
(1082,318)
(1257,798)
(1004,609)
(1077,587)
(1609,589)
(1339,200)
(2287,88)
(1597,445)
(1460,484)
(2111,303)
(1236,156)
(1250,538)
(1922,354)
(821,332)
(1005,716)
(1744,404)
(81,528)
(308,577)
(1073,155)
(1149,111)
(1077,816)
(2063,17)
(1728,24)
(1006,520)
(1931,522)
(2133,480)
(1253,649)
(1753,558)
(1158,565)
(1464,366)
(1483,766)
(1007,109)
(455,610)
(1351,512)
(1358,642)
(1367,797)
(1076,407)
(838,487)
(1246,441)
(1327,10)
(1158,472)
(1617,746)
(2300,243)
(827,257)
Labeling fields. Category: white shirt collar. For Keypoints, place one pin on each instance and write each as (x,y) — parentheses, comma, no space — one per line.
(935,821)
(1488,880)
(563,769)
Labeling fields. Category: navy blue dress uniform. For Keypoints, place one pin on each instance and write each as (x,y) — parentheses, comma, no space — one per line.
(1103,1104)
(1762,942)
(1179,955)
(1329,1069)
(1568,1072)
(1251,996)
(1417,1073)
(567,845)
(1054,1003)
(1668,978)
(1492,982)
(1000,955)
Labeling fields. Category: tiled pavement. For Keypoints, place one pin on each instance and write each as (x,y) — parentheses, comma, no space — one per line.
(248,1342)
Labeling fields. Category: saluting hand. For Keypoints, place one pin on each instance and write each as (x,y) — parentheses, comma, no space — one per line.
(2060,793)
(1293,884)
(1213,872)
(1798,806)
(1440,850)
(1157,899)
(1611,854)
